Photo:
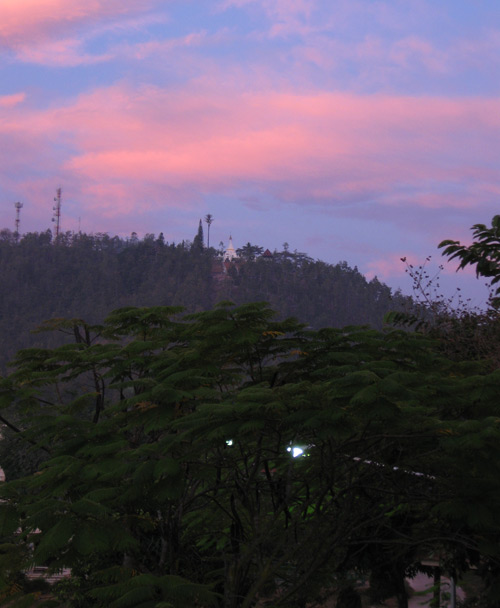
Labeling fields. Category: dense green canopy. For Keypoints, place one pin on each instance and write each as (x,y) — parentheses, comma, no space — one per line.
(224,458)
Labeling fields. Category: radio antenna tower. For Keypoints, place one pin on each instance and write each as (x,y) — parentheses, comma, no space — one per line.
(18,207)
(57,211)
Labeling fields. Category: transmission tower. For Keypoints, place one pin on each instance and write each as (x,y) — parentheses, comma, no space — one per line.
(57,211)
(18,207)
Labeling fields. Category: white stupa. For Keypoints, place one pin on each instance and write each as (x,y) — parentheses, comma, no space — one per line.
(230,253)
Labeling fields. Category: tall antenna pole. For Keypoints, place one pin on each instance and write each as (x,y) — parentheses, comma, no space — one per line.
(18,207)
(57,211)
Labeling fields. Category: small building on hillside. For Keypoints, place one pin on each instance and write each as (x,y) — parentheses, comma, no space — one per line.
(230,258)
(230,253)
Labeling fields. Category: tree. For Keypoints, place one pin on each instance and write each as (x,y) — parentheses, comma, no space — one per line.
(484,253)
(249,252)
(170,476)
(198,239)
(463,332)
(209,218)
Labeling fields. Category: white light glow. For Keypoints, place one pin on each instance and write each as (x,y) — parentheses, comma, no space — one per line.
(295,451)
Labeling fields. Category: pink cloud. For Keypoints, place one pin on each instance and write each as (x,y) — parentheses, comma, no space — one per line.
(381,63)
(440,281)
(391,265)
(26,22)
(480,54)
(280,8)
(286,16)
(160,47)
(54,32)
(320,148)
(413,48)
(394,265)
(66,52)
(9,101)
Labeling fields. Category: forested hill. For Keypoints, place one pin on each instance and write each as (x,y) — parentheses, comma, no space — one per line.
(88,275)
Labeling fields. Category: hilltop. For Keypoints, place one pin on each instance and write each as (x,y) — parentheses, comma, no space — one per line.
(88,275)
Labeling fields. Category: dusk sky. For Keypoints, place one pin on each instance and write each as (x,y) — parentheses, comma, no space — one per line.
(357,130)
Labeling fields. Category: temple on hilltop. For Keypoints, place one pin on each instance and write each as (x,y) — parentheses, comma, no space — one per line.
(230,253)
(231,260)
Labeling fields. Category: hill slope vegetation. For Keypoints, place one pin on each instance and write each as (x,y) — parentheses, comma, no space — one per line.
(87,275)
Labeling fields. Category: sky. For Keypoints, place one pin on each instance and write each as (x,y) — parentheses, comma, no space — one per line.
(356,130)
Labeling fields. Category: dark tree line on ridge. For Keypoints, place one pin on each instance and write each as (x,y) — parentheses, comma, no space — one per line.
(87,275)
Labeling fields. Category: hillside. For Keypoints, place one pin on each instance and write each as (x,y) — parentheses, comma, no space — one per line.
(88,275)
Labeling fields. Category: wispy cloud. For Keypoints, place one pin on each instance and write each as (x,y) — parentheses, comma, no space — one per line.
(311,149)
(60,53)
(55,32)
(23,21)
(286,17)
(9,101)
(158,48)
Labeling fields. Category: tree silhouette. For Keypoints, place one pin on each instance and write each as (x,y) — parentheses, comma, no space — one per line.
(198,239)
(209,218)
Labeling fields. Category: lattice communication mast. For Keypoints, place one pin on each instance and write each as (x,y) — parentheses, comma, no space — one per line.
(57,211)
(18,207)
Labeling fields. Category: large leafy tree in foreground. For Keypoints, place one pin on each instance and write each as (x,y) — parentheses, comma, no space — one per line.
(483,253)
(226,459)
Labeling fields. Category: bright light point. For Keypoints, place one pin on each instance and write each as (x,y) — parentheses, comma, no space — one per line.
(296,451)
(229,442)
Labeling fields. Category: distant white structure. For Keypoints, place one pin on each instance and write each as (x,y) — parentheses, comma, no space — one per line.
(230,253)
